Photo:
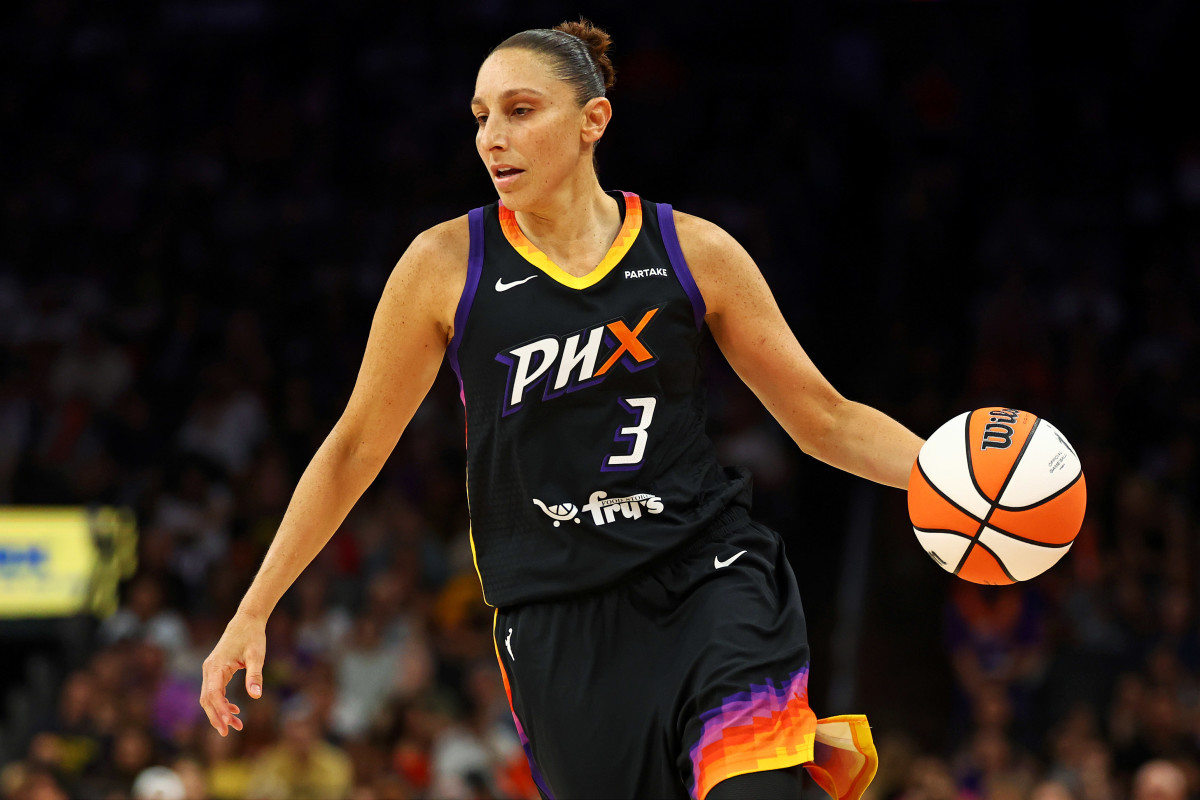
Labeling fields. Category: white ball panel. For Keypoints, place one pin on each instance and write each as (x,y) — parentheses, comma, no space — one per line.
(943,457)
(948,546)
(1048,465)
(1022,559)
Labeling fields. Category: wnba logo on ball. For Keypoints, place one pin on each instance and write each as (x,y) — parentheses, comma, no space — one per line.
(998,432)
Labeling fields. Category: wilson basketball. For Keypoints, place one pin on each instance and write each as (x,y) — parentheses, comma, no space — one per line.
(996,495)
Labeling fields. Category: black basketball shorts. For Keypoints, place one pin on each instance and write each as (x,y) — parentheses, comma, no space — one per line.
(683,676)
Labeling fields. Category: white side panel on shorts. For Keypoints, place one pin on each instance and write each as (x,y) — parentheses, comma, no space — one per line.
(1022,559)
(948,546)
(1047,465)
(944,459)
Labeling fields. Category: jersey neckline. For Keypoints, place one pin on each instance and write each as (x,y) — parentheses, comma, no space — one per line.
(630,229)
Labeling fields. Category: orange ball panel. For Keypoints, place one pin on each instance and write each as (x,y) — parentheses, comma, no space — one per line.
(1056,521)
(996,437)
(929,510)
(982,567)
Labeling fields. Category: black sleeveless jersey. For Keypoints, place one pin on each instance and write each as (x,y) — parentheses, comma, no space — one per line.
(587,457)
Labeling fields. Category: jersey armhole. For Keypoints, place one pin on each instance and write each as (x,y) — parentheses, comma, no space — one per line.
(474,270)
(666,225)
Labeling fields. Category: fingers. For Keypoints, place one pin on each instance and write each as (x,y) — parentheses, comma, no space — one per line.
(221,714)
(217,708)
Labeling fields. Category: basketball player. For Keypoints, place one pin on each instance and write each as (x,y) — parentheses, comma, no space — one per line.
(649,633)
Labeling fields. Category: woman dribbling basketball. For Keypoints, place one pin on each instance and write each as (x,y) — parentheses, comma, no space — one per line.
(649,632)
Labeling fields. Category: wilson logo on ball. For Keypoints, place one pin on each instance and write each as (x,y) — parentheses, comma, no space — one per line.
(998,432)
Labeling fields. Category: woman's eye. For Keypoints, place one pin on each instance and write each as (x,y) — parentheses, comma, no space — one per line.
(520,112)
(480,119)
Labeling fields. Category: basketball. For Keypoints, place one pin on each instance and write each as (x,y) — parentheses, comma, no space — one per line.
(996,496)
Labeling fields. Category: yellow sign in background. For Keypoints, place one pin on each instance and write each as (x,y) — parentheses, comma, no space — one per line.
(59,561)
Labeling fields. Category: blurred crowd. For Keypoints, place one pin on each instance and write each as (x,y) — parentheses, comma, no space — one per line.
(955,205)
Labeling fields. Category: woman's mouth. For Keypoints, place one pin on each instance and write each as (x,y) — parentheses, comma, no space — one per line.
(505,176)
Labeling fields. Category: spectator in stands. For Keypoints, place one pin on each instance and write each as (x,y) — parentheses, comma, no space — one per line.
(302,766)
(1159,780)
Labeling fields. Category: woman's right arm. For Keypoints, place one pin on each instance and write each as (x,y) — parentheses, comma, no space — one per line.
(413,324)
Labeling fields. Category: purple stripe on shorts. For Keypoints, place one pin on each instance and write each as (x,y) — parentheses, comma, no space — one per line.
(474,269)
(536,773)
(666,225)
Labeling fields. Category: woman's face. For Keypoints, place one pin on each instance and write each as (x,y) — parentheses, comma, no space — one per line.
(532,135)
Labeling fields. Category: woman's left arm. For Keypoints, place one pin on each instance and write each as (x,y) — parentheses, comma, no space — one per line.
(752,333)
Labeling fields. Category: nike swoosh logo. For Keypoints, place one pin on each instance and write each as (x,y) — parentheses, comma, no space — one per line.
(718,563)
(501,286)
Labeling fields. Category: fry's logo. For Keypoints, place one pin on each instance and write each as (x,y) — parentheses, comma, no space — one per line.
(568,363)
(560,512)
(604,509)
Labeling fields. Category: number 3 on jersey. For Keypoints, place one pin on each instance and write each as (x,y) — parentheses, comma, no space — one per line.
(642,409)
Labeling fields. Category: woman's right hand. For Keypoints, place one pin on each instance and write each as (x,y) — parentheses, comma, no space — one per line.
(242,646)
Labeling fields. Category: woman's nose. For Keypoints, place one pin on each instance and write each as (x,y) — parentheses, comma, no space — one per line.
(493,136)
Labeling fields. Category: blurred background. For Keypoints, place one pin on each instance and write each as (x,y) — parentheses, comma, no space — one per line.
(956,204)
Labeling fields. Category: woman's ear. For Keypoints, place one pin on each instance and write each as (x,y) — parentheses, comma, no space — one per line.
(596,114)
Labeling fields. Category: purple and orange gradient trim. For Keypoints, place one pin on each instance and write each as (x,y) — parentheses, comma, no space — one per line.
(768,727)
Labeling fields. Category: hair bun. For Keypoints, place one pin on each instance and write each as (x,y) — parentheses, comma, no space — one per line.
(597,42)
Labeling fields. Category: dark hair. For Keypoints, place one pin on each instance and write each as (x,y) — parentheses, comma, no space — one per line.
(578,51)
